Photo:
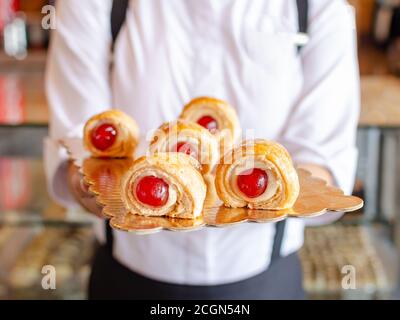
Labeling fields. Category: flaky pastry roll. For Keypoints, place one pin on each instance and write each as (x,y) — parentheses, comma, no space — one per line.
(165,184)
(258,174)
(217,116)
(188,138)
(111,134)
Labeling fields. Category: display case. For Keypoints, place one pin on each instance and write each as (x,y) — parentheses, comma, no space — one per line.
(35,231)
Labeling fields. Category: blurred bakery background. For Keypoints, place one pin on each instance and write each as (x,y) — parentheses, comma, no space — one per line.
(35,231)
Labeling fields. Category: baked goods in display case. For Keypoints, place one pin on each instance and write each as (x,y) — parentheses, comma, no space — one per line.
(188,138)
(68,250)
(111,134)
(258,174)
(165,184)
(217,116)
(330,252)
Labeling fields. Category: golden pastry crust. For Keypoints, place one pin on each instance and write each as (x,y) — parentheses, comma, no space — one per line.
(171,133)
(229,129)
(127,134)
(283,183)
(187,189)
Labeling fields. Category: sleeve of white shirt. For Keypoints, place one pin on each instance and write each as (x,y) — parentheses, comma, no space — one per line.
(328,107)
(77,80)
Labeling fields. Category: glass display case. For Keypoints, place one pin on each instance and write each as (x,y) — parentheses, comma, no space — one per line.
(34,230)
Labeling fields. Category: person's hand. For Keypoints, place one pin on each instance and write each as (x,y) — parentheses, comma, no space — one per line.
(318,172)
(81,192)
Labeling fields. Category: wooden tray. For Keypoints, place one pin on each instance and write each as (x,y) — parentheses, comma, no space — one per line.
(104,175)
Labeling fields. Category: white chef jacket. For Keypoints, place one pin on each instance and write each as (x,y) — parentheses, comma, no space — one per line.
(244,52)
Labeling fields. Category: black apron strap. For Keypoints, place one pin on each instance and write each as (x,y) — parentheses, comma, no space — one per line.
(302,9)
(118,15)
(278,238)
(109,236)
(302,12)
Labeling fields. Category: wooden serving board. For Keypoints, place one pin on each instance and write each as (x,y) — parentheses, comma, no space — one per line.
(104,175)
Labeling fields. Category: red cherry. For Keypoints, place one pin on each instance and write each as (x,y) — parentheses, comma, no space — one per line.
(103,137)
(252,182)
(185,147)
(152,191)
(209,123)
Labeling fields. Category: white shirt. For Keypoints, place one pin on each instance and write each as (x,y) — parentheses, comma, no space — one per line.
(244,52)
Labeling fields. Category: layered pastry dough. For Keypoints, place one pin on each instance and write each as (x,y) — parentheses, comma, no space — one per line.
(111,134)
(188,138)
(258,174)
(165,184)
(217,116)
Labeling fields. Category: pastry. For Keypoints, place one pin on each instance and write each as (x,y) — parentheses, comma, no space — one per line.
(258,174)
(165,184)
(217,116)
(189,138)
(111,134)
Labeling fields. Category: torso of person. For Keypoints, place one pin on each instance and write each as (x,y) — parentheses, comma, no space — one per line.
(244,52)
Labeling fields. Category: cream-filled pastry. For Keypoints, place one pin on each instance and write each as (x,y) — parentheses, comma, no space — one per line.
(165,184)
(258,174)
(111,134)
(188,138)
(217,116)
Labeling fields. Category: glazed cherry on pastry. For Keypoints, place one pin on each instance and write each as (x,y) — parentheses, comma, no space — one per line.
(186,148)
(209,123)
(152,191)
(252,182)
(103,136)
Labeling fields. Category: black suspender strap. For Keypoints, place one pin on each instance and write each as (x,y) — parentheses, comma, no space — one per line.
(302,13)
(302,9)
(278,238)
(109,235)
(118,15)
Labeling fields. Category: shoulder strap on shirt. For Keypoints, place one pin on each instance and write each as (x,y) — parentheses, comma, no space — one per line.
(118,15)
(109,236)
(302,13)
(302,9)
(278,239)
